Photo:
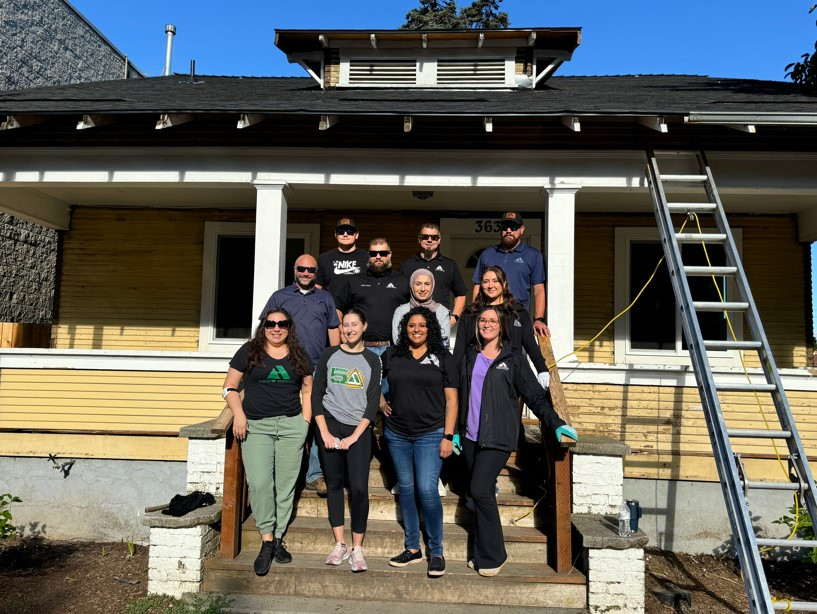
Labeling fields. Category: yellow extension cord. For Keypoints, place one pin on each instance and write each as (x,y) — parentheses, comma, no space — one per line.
(742,362)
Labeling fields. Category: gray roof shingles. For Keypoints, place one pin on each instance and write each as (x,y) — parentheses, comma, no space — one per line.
(604,95)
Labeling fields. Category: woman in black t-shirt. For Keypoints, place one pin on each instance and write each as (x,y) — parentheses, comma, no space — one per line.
(420,421)
(271,422)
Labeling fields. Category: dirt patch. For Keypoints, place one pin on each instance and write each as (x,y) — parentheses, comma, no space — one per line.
(714,584)
(40,576)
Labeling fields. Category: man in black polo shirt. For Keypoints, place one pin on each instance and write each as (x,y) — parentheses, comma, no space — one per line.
(447,276)
(377,293)
(345,259)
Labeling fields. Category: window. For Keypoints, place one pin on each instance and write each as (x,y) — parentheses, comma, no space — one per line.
(227,279)
(651,332)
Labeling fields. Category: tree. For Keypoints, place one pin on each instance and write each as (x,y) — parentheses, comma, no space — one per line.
(443,15)
(805,72)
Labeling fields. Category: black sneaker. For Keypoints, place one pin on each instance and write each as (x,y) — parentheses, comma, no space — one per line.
(436,567)
(264,558)
(281,554)
(406,557)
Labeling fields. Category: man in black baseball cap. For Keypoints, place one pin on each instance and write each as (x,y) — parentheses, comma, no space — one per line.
(345,259)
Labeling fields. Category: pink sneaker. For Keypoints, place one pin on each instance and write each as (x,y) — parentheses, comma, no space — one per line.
(357,561)
(339,554)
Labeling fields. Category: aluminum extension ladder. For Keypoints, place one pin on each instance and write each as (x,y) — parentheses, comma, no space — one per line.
(734,482)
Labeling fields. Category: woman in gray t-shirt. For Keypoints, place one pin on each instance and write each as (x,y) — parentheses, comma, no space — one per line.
(345,399)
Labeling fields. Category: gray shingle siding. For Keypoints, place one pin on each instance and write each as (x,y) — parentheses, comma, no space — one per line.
(43,42)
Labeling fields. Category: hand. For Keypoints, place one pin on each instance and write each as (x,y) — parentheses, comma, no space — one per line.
(446,448)
(240,427)
(347,442)
(541,329)
(385,407)
(328,440)
(453,321)
(544,379)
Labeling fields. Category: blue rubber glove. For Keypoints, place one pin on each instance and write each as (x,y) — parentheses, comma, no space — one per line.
(568,430)
(455,443)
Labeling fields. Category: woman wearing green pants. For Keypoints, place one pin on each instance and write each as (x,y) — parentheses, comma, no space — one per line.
(271,422)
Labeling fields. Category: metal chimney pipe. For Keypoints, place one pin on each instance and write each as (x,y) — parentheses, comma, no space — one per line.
(170,30)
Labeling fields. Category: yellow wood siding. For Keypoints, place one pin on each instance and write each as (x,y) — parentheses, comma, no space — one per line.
(666,429)
(132,401)
(770,247)
(69,445)
(131,279)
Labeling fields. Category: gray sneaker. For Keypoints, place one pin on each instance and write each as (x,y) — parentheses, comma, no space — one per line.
(339,554)
(357,560)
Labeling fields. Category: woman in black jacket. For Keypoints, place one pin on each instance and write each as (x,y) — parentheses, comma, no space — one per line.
(493,375)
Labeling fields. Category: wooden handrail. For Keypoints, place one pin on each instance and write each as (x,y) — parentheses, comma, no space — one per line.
(223,422)
(233,503)
(560,554)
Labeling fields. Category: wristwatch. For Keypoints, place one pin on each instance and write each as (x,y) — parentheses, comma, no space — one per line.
(227,391)
(540,319)
(456,317)
(449,436)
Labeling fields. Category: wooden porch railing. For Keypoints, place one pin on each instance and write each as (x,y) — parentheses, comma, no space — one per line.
(559,495)
(234,505)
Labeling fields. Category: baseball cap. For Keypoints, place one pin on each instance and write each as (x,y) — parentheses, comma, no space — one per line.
(512,217)
(348,223)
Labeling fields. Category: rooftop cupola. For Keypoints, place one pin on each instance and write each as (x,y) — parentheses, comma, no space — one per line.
(517,58)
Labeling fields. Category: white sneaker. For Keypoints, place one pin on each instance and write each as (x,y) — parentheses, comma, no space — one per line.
(441,488)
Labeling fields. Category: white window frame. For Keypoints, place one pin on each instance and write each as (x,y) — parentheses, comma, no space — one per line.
(624,353)
(208,342)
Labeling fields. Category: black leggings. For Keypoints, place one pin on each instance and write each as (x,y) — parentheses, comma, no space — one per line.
(484,465)
(340,464)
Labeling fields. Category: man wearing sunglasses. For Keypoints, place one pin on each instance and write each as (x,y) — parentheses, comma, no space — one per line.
(377,293)
(523,265)
(345,259)
(447,276)
(316,321)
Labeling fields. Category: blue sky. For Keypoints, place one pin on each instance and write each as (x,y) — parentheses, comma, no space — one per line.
(720,38)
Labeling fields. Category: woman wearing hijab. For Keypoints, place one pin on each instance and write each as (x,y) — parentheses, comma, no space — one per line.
(421,284)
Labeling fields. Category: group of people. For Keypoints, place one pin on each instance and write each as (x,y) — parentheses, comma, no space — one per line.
(351,337)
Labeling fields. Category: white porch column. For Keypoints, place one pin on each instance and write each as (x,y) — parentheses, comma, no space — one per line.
(270,244)
(559,244)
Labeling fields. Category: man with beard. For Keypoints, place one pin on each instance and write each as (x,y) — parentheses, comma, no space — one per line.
(447,276)
(345,259)
(316,321)
(377,292)
(523,265)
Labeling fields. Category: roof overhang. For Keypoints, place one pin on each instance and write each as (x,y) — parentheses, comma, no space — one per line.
(304,41)
(754,119)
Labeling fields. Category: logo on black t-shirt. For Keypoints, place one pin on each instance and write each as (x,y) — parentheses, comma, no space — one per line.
(351,378)
(278,374)
(346,267)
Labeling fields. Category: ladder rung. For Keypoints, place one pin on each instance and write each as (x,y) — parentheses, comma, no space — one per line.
(710,270)
(718,306)
(695,237)
(776,485)
(787,543)
(744,387)
(713,344)
(758,433)
(795,606)
(683,178)
(684,207)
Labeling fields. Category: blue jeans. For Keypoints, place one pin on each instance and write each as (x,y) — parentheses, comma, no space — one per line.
(384,384)
(313,470)
(418,463)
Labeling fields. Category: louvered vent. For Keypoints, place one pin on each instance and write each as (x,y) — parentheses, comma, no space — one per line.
(486,71)
(382,72)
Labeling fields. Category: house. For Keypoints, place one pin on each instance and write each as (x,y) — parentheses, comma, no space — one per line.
(185,204)
(44,42)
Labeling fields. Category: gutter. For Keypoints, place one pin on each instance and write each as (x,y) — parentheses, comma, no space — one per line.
(755,119)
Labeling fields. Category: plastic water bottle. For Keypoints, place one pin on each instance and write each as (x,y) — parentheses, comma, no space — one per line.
(624,520)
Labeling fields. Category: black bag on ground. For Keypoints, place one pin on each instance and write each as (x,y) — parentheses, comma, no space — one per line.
(183,504)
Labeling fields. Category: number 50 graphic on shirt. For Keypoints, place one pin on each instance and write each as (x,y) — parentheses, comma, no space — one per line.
(351,378)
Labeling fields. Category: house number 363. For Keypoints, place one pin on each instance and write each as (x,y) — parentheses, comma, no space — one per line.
(487,225)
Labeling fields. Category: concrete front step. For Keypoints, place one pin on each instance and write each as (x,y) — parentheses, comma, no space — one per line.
(265,604)
(384,506)
(385,538)
(308,576)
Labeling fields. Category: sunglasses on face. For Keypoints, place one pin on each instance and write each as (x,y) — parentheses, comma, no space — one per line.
(306,269)
(345,231)
(373,253)
(429,237)
(282,324)
(511,227)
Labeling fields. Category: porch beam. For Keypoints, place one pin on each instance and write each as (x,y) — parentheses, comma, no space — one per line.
(481,40)
(327,121)
(246,120)
(748,128)
(34,206)
(488,122)
(408,123)
(270,244)
(94,121)
(21,121)
(657,123)
(560,262)
(572,123)
(807,225)
(168,120)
